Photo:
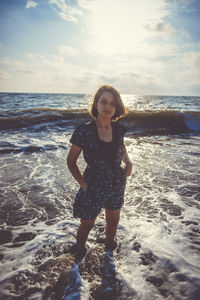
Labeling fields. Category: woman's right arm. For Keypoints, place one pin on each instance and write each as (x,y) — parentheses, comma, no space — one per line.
(72,165)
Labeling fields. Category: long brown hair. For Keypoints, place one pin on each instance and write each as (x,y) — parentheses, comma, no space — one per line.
(120,108)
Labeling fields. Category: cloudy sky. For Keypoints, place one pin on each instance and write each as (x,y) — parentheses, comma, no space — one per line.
(73,46)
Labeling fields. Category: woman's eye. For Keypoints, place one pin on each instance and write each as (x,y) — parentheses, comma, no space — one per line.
(104,102)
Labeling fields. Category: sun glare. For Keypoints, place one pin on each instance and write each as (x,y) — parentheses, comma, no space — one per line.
(119,26)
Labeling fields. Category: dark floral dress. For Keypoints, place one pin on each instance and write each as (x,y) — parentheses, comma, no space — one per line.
(106,181)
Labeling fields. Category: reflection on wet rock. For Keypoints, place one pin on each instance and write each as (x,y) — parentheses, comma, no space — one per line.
(5,236)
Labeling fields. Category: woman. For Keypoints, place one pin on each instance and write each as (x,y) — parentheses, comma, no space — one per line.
(103,182)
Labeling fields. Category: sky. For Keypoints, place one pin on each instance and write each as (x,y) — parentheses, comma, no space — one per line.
(141,47)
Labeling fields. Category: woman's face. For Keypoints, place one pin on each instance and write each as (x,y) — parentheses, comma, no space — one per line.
(106,105)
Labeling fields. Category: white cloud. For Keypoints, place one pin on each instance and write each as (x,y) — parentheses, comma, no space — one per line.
(31,55)
(183,2)
(67,17)
(43,73)
(188,66)
(139,74)
(87,4)
(12,63)
(65,11)
(66,50)
(4,75)
(31,4)
(161,28)
(178,5)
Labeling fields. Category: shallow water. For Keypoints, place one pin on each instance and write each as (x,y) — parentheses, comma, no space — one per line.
(158,232)
(158,236)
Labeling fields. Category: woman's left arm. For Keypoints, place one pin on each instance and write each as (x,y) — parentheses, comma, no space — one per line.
(128,163)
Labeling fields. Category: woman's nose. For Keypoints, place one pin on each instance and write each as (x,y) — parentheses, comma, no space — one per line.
(108,104)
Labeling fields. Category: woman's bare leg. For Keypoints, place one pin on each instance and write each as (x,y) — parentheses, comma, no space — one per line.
(83,231)
(112,220)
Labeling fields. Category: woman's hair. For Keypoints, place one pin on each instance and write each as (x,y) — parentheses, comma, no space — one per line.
(120,108)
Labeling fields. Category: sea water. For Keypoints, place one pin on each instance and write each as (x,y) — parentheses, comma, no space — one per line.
(158,235)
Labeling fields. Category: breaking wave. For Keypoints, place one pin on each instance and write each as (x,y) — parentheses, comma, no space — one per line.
(137,122)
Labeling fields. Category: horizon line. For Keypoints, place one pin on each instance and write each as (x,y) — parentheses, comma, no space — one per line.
(79,93)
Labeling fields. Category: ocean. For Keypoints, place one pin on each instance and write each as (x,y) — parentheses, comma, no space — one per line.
(158,235)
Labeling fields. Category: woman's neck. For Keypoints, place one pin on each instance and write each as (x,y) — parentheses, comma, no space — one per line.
(103,122)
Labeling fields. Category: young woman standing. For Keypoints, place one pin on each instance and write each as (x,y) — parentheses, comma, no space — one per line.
(103,182)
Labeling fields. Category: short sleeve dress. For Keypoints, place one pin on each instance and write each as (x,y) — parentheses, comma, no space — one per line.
(106,181)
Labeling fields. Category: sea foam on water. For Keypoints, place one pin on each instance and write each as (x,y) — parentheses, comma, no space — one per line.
(158,235)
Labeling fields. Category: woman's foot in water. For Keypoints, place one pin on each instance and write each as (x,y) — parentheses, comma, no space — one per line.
(111,245)
(79,252)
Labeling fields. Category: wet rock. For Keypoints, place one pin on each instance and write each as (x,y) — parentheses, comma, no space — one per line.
(51,211)
(51,222)
(174,210)
(189,223)
(148,258)
(169,267)
(55,274)
(111,290)
(170,208)
(11,199)
(196,249)
(11,206)
(22,284)
(163,217)
(165,292)
(105,293)
(126,292)
(196,242)
(136,246)
(137,201)
(17,217)
(5,236)
(98,268)
(13,212)
(196,294)
(192,203)
(180,277)
(15,245)
(196,230)
(93,262)
(25,236)
(157,281)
